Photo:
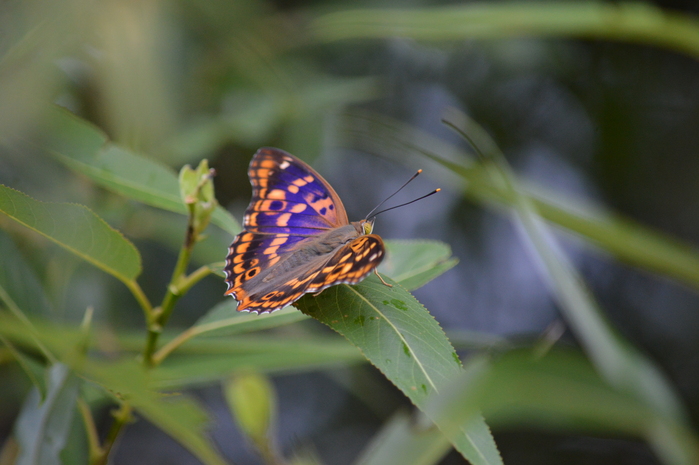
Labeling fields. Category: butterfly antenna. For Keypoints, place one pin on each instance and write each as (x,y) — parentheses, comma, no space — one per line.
(389,197)
(406,203)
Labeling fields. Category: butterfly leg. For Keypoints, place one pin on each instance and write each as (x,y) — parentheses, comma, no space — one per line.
(384,282)
(318,293)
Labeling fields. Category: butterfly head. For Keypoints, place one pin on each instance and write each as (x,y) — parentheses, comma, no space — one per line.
(367,226)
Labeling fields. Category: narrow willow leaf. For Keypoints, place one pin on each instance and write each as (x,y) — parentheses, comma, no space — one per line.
(624,21)
(617,361)
(179,416)
(33,369)
(519,387)
(20,288)
(84,149)
(43,427)
(252,401)
(403,442)
(77,229)
(414,263)
(208,361)
(224,320)
(77,449)
(400,338)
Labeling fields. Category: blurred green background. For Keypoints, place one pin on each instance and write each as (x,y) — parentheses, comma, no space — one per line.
(596,110)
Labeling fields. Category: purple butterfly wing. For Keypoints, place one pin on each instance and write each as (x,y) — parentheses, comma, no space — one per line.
(289,197)
(290,203)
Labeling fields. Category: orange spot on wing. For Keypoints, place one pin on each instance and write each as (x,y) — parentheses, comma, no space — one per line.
(263,173)
(283,220)
(279,240)
(270,250)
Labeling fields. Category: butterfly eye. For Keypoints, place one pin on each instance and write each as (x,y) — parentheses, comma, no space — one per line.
(368,227)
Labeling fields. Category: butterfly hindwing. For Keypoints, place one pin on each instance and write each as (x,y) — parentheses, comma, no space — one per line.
(351,263)
(273,296)
(251,253)
(348,264)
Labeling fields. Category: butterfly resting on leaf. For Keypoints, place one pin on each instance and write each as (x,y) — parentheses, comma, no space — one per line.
(296,237)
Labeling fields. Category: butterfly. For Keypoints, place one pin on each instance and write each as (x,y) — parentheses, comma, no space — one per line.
(296,237)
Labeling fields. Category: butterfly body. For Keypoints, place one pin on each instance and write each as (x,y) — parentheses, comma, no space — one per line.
(296,238)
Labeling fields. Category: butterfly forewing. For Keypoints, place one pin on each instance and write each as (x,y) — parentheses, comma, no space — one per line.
(289,197)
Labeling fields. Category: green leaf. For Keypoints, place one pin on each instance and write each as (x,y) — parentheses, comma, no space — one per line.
(414,263)
(77,448)
(624,21)
(400,338)
(84,149)
(561,390)
(224,320)
(209,360)
(393,330)
(252,401)
(33,369)
(402,442)
(20,288)
(43,427)
(179,416)
(77,229)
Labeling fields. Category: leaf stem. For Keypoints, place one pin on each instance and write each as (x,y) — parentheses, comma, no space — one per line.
(94,448)
(122,416)
(168,348)
(141,298)
(187,282)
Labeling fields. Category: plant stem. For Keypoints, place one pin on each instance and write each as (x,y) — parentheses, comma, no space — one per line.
(161,315)
(121,418)
(174,289)
(94,448)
